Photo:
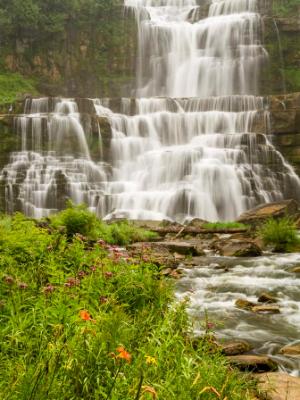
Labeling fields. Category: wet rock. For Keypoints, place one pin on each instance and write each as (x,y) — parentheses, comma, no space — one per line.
(278,386)
(286,208)
(197,223)
(235,348)
(237,248)
(253,363)
(267,298)
(291,350)
(244,304)
(296,270)
(184,248)
(270,309)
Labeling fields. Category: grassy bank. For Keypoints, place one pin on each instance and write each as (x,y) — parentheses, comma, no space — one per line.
(81,319)
(13,86)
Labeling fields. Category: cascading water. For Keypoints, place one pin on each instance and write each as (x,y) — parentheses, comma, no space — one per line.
(199,151)
(54,163)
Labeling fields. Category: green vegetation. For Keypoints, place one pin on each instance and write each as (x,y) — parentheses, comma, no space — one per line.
(70,47)
(224,225)
(285,8)
(13,85)
(77,219)
(281,233)
(85,320)
(292,76)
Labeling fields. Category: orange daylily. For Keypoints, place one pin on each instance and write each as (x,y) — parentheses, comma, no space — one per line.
(85,316)
(123,354)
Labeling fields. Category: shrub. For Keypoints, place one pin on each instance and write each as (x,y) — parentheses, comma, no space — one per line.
(76,219)
(281,233)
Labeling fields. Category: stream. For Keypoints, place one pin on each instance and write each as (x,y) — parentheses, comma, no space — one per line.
(215,285)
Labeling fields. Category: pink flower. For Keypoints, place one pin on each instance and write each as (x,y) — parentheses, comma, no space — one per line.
(210,325)
(48,289)
(23,286)
(71,282)
(108,275)
(103,300)
(81,274)
(9,280)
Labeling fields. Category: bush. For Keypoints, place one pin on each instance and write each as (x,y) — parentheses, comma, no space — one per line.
(76,219)
(281,233)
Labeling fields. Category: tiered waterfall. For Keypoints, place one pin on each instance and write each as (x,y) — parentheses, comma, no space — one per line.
(192,142)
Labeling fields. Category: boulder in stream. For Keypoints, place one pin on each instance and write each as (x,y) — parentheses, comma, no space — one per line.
(266,309)
(253,363)
(237,248)
(267,298)
(296,270)
(245,304)
(291,350)
(279,386)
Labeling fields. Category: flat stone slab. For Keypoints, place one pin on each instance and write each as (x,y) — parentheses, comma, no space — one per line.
(179,247)
(253,363)
(267,309)
(277,386)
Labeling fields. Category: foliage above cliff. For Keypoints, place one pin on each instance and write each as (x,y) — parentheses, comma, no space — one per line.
(28,18)
(285,7)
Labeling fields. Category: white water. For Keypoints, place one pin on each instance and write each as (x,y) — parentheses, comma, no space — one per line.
(54,163)
(215,289)
(200,151)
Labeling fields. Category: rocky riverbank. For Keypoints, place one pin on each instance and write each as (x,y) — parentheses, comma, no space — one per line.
(252,306)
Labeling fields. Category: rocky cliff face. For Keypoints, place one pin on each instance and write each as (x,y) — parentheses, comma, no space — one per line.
(91,61)
(285,126)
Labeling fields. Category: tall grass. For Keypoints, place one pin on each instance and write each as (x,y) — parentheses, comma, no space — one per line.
(281,233)
(87,321)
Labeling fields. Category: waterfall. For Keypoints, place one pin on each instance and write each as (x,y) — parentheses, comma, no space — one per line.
(192,142)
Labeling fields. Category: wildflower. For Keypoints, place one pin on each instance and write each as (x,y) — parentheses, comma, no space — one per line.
(23,286)
(81,274)
(123,354)
(48,289)
(93,268)
(151,360)
(103,300)
(108,275)
(102,243)
(85,316)
(9,280)
(71,282)
(210,325)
